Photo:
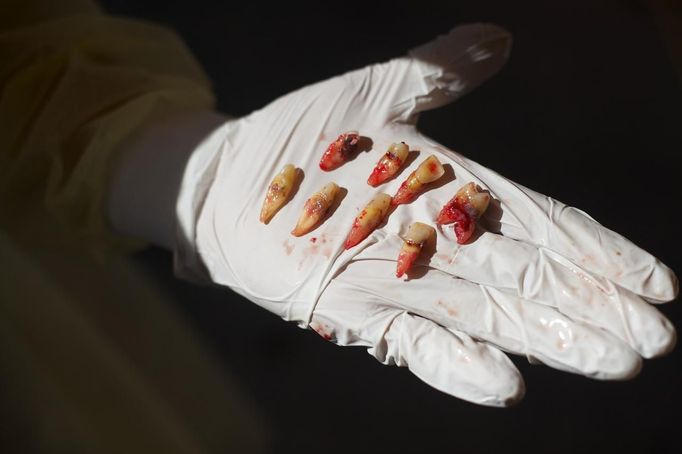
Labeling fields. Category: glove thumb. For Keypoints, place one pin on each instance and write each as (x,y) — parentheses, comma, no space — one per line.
(449,361)
(436,73)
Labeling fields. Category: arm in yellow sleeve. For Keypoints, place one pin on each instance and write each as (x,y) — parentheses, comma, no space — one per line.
(75,87)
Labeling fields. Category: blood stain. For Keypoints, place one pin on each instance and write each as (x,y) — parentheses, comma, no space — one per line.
(443,257)
(288,247)
(451,311)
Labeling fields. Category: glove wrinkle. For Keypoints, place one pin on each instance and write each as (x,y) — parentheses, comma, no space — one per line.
(383,348)
(516,318)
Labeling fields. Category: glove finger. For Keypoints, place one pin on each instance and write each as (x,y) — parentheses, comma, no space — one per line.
(433,74)
(541,276)
(515,325)
(450,361)
(526,215)
(457,62)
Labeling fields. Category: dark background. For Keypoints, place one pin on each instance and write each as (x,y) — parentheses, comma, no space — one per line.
(587,110)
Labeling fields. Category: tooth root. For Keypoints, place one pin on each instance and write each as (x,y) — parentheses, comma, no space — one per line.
(464,230)
(315,208)
(278,192)
(339,151)
(413,241)
(480,202)
(408,191)
(389,164)
(368,219)
(406,258)
(452,212)
(428,171)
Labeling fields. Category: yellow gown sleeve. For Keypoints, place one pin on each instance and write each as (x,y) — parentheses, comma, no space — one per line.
(74,84)
(94,357)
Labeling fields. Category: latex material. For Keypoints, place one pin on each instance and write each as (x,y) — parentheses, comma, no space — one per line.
(548,282)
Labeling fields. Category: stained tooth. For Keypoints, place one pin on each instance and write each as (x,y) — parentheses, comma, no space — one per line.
(428,171)
(413,241)
(368,219)
(278,192)
(339,151)
(418,233)
(464,209)
(315,208)
(389,164)
(480,202)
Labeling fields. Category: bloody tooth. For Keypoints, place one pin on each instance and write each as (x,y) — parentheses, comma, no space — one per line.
(464,209)
(413,241)
(315,208)
(368,219)
(389,163)
(428,171)
(339,151)
(278,192)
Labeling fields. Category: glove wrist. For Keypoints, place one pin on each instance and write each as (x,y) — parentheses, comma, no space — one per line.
(149,181)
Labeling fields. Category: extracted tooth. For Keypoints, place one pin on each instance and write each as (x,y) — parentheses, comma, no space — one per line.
(315,208)
(368,219)
(413,241)
(339,150)
(389,163)
(428,171)
(464,209)
(278,192)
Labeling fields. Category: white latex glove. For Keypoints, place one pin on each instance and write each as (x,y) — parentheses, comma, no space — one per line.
(541,279)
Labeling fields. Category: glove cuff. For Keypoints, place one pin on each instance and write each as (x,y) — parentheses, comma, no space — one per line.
(196,180)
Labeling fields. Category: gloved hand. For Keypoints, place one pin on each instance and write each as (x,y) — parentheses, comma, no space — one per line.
(539,278)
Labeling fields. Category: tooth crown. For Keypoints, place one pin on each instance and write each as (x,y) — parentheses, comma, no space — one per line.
(429,170)
(470,195)
(395,156)
(413,241)
(418,233)
(399,150)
